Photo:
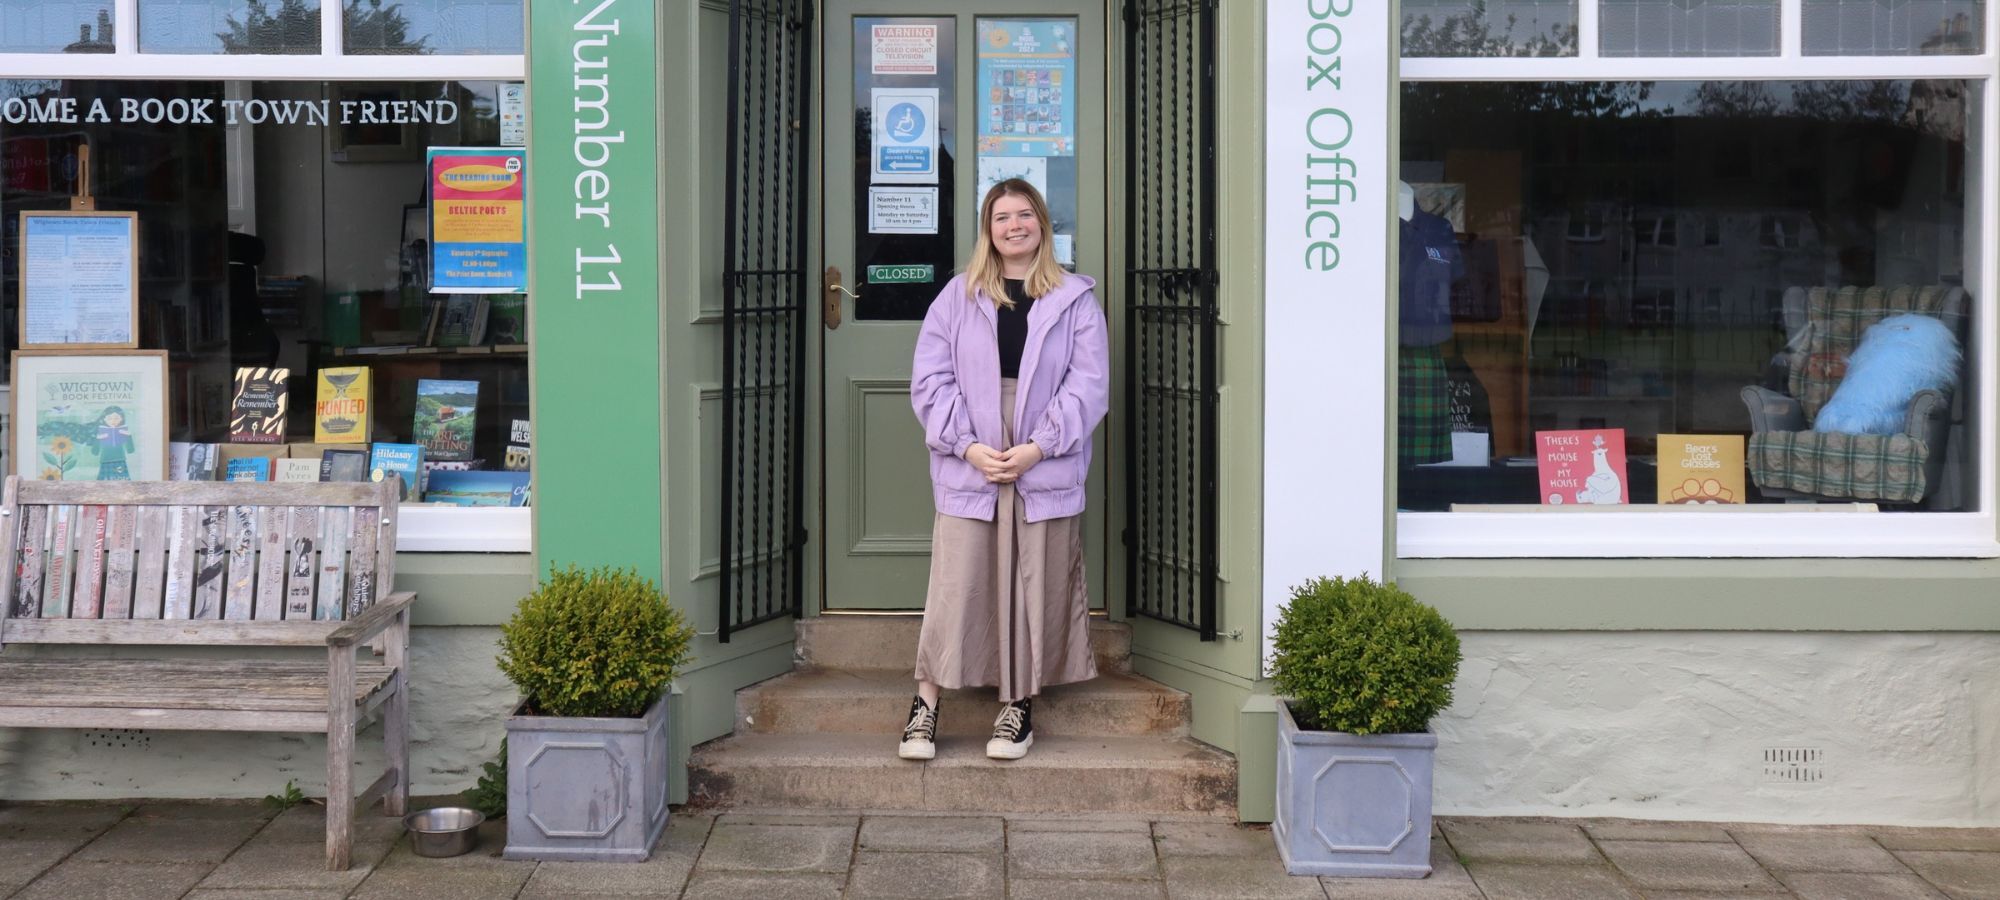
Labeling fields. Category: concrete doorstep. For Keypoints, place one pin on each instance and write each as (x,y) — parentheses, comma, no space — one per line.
(246,851)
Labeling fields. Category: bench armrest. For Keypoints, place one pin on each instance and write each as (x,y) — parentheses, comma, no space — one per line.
(371,621)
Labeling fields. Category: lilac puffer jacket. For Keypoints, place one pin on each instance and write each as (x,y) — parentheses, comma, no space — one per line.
(1063,391)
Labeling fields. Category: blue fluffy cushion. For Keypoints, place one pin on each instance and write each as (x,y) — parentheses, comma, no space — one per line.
(1898,357)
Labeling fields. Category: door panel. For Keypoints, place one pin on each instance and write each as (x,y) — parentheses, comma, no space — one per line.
(923,62)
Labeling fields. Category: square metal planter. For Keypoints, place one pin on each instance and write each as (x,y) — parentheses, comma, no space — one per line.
(1353,805)
(585,788)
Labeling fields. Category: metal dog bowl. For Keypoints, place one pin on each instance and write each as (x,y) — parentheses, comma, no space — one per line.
(444,831)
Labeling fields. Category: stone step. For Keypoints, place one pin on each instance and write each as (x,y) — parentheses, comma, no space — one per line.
(877,701)
(890,642)
(1060,775)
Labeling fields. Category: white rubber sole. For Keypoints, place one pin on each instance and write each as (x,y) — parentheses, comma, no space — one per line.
(917,750)
(1004,750)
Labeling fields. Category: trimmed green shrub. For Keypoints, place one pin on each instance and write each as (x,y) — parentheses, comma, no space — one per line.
(1362,657)
(598,643)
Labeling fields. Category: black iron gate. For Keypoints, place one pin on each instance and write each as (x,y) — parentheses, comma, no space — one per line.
(764,312)
(1170,292)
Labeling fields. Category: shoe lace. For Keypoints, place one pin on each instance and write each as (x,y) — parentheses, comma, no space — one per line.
(1012,720)
(923,723)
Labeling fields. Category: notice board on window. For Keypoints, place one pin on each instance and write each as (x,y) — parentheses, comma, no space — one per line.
(479,223)
(79,280)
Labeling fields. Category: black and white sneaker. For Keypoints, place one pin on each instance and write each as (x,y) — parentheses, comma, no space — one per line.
(920,736)
(1014,731)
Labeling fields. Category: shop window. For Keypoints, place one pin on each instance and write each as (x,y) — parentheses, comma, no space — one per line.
(1894,27)
(229,26)
(287,226)
(1615,369)
(420,27)
(55,26)
(1474,28)
(1688,27)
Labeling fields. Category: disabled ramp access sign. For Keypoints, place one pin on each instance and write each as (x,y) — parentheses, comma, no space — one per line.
(905,135)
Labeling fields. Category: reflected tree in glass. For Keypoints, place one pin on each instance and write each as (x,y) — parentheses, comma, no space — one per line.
(1468,29)
(293,28)
(380,29)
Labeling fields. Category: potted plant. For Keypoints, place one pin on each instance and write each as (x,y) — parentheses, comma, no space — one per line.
(594,654)
(1360,668)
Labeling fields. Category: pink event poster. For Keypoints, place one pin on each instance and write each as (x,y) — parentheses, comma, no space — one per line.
(1586,466)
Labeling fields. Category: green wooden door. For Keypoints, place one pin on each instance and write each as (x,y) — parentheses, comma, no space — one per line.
(925,104)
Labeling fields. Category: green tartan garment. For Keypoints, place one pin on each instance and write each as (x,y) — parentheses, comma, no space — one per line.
(1423,407)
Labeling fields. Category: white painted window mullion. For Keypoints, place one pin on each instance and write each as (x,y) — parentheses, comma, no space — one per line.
(332,38)
(1791,29)
(1586,29)
(125,26)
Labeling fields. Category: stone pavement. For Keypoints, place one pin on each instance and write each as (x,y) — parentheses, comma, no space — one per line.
(233,851)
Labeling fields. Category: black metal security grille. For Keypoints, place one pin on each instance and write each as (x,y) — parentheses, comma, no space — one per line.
(1170,289)
(764,296)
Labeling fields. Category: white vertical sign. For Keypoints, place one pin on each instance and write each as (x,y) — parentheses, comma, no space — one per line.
(1329,188)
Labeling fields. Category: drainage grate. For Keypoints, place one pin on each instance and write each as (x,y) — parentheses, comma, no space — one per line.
(120,738)
(1794,765)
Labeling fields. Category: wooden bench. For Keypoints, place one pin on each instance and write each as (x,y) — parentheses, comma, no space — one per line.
(221,565)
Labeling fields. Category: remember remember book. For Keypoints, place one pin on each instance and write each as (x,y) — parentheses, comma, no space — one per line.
(257,406)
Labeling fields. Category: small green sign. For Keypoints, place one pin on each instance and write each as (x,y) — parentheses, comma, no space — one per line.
(912,274)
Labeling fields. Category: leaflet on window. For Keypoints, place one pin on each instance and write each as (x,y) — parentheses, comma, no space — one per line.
(905,135)
(79,285)
(479,236)
(903,210)
(1027,82)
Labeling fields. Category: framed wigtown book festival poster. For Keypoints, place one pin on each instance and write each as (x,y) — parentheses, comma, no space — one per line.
(98,416)
(79,280)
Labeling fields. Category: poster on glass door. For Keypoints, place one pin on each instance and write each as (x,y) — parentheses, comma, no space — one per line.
(905,135)
(1027,82)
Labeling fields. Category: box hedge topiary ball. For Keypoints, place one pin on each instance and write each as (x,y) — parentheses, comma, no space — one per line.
(599,643)
(1362,657)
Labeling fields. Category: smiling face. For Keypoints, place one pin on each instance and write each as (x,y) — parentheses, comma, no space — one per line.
(1015,230)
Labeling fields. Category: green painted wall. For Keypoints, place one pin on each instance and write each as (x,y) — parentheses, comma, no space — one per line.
(593,208)
(465,588)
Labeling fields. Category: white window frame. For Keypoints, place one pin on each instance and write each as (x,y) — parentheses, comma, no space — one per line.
(1748,533)
(435,529)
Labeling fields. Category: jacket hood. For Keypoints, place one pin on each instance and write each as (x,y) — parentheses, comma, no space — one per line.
(1067,290)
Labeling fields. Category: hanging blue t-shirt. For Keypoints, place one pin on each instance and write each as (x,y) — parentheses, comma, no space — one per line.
(1430,263)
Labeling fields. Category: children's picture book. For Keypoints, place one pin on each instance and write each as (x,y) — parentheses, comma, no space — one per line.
(1585,466)
(406,460)
(341,414)
(191,462)
(295,470)
(343,465)
(257,406)
(250,468)
(1701,468)
(478,488)
(444,418)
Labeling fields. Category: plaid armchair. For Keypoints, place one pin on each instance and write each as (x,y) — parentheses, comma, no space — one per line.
(1788,459)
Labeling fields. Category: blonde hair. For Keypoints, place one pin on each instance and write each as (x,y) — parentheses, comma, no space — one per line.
(984,272)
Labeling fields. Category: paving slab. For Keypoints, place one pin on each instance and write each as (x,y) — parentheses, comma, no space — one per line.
(1518,881)
(1213,839)
(1078,889)
(22,860)
(1962,875)
(1725,895)
(788,818)
(1057,824)
(663,874)
(1817,851)
(281,894)
(172,839)
(1986,839)
(1083,854)
(76,880)
(1235,878)
(1658,831)
(443,882)
(946,834)
(1681,865)
(1857,886)
(39,821)
(921,876)
(1547,843)
(306,822)
(293,865)
(764,886)
(778,848)
(205,809)
(1448,881)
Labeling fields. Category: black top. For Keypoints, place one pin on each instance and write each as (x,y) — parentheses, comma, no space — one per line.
(1014,328)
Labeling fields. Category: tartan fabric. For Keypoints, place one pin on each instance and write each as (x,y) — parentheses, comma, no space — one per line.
(1888,468)
(1423,408)
(1838,316)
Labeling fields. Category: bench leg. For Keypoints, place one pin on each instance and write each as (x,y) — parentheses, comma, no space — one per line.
(396,746)
(341,717)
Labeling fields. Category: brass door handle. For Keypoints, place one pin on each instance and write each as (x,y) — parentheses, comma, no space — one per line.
(832,290)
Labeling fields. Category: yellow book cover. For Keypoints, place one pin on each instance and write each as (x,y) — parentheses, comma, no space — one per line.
(341,413)
(1701,468)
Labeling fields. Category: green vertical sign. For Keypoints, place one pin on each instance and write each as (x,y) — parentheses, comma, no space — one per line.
(594,282)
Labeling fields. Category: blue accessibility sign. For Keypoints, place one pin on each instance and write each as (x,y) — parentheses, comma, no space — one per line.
(906,123)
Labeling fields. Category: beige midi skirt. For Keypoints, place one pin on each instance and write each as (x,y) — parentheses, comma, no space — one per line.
(1007,604)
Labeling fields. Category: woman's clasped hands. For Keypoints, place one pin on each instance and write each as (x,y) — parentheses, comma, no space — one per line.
(1004,466)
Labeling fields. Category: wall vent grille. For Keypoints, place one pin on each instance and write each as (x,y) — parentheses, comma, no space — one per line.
(1794,765)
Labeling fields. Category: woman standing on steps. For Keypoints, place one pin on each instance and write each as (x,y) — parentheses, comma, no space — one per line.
(1011,376)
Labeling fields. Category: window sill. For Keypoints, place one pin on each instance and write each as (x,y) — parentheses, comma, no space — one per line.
(1610,535)
(457,529)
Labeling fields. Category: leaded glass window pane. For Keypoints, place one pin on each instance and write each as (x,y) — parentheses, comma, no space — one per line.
(1489,28)
(1688,27)
(1894,27)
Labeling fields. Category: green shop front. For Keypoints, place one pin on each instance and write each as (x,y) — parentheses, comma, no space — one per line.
(1368,269)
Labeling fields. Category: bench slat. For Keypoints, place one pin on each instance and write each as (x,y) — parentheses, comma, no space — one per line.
(332,563)
(169,631)
(181,552)
(179,684)
(304,539)
(210,562)
(271,522)
(89,600)
(361,559)
(150,577)
(198,493)
(121,527)
(240,596)
(27,597)
(163,719)
(55,598)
